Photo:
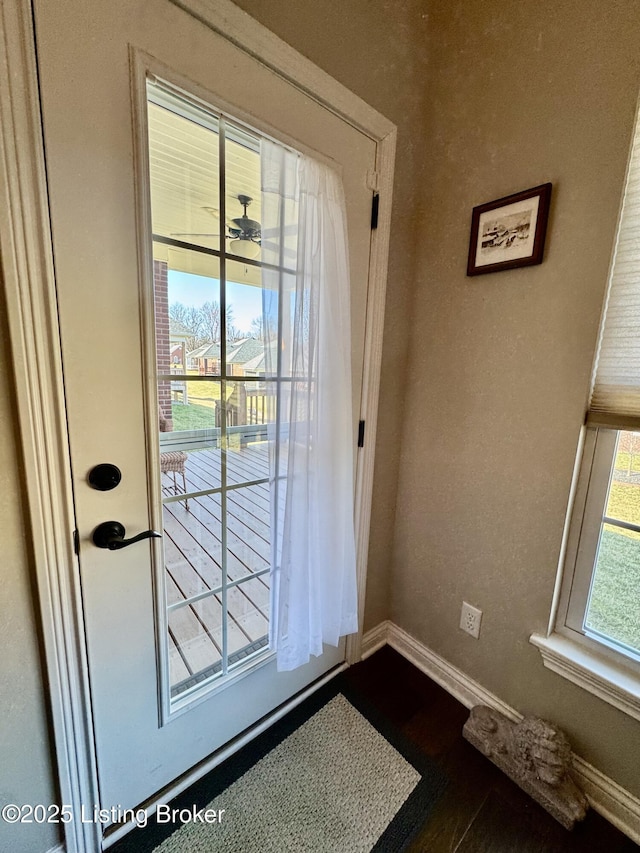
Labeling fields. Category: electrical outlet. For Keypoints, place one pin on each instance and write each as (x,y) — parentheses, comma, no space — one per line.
(470,619)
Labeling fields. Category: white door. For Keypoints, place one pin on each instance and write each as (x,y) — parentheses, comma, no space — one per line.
(177,629)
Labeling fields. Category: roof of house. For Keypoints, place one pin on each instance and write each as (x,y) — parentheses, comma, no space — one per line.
(177,329)
(257,365)
(208,350)
(239,352)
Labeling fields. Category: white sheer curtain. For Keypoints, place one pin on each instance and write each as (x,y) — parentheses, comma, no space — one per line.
(308,369)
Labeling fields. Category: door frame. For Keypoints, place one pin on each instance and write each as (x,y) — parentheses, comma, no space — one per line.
(28,272)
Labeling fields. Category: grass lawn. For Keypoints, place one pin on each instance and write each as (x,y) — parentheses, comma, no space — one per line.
(200,414)
(207,390)
(624,503)
(615,596)
(627,462)
(193,416)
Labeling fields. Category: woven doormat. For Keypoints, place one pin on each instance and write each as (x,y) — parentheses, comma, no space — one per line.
(331,777)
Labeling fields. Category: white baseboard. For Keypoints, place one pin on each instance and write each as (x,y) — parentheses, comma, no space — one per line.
(59,848)
(375,639)
(609,799)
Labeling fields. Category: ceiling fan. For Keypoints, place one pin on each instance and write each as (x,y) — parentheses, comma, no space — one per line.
(244,233)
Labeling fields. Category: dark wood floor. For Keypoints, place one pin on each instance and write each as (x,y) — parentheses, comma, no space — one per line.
(481,811)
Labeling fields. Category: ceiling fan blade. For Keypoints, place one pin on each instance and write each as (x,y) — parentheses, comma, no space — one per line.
(287,231)
(275,246)
(192,234)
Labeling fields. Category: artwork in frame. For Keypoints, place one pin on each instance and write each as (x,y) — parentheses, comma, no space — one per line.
(509,232)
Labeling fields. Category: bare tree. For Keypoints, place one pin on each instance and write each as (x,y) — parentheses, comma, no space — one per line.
(234,334)
(259,328)
(210,316)
(203,324)
(178,312)
(256,328)
(192,320)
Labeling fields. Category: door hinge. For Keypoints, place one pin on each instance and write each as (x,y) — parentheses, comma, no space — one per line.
(76,542)
(361,434)
(375,203)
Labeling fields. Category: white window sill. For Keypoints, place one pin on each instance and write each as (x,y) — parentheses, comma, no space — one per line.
(597,673)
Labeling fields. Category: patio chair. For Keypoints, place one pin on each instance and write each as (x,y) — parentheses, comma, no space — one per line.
(173,462)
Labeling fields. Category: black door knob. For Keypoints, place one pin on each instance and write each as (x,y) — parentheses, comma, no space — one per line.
(110,534)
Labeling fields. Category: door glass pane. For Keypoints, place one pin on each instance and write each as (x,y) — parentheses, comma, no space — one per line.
(615,588)
(183,165)
(243,197)
(193,551)
(189,424)
(248,530)
(248,416)
(244,301)
(214,407)
(249,604)
(196,630)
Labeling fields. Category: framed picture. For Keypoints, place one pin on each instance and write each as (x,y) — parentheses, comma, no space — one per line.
(509,232)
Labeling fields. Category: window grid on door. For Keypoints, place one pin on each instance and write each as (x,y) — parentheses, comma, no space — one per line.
(241,602)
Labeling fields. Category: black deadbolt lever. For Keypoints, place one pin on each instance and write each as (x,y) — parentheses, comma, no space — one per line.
(110,534)
(104,477)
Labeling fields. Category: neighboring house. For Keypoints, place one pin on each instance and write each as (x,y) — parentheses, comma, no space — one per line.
(178,335)
(206,359)
(194,356)
(242,351)
(256,366)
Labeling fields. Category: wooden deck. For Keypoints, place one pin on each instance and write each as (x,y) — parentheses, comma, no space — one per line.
(194,545)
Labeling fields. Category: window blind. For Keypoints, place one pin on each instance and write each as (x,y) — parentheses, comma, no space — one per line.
(615,397)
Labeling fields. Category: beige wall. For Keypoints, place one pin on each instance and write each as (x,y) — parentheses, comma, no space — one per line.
(499,365)
(25,756)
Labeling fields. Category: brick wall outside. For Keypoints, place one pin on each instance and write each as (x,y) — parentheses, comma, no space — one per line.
(163,355)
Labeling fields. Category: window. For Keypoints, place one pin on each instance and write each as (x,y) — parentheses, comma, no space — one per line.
(602,594)
(595,640)
(256,476)
(212,427)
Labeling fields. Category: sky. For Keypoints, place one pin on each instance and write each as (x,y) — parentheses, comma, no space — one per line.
(195,290)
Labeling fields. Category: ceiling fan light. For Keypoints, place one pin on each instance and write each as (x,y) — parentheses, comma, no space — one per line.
(245,248)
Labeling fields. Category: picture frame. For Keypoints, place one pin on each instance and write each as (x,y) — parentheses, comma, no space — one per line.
(509,232)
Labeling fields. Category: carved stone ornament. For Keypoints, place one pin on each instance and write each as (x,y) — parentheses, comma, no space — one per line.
(535,754)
